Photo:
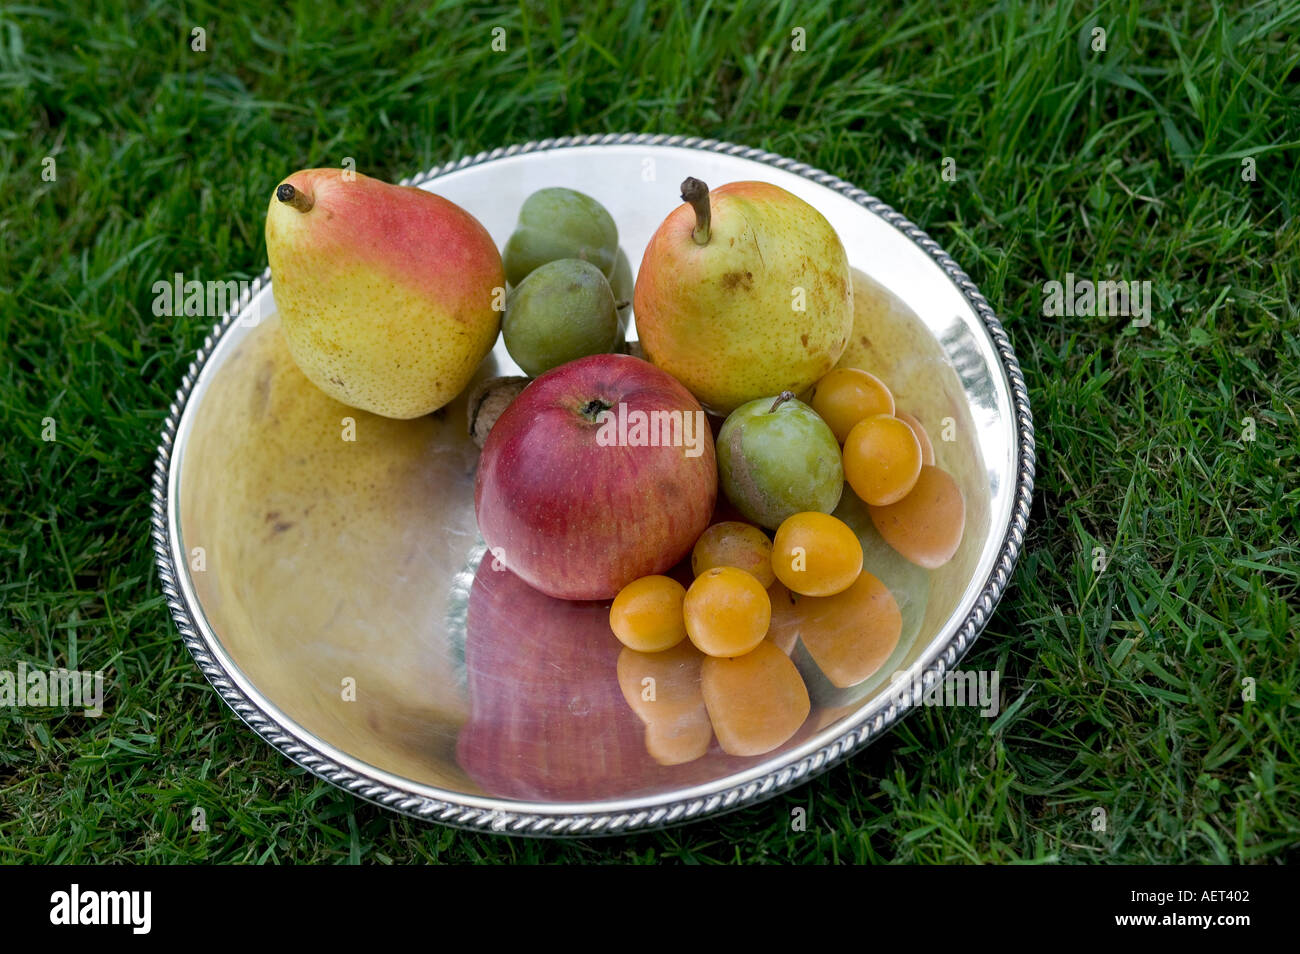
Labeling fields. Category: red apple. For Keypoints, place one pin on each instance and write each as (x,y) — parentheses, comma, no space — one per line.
(601,471)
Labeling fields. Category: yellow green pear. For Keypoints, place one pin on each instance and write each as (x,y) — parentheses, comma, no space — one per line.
(743,293)
(389,295)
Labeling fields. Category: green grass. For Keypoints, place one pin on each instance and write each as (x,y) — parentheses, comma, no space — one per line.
(1122,691)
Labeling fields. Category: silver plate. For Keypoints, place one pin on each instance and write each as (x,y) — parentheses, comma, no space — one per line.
(282,608)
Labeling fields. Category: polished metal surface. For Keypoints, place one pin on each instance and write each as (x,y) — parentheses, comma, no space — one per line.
(335,594)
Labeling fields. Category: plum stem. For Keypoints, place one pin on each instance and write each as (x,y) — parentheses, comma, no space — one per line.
(697,194)
(291,196)
(781,399)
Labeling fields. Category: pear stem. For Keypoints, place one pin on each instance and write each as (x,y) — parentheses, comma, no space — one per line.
(697,194)
(781,399)
(291,196)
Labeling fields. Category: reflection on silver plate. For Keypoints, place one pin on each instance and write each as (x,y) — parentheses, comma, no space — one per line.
(335,591)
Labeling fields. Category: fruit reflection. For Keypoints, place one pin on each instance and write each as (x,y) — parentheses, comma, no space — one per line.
(849,635)
(663,689)
(757,701)
(548,719)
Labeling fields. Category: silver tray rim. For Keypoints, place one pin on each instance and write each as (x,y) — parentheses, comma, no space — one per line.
(504,816)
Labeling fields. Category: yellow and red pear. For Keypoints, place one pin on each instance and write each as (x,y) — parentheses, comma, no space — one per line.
(388,295)
(744,292)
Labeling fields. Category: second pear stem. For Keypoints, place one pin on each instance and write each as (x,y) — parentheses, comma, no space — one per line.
(697,194)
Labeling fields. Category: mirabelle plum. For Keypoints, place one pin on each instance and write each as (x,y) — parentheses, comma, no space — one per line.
(737,544)
(816,554)
(845,396)
(647,614)
(882,459)
(727,612)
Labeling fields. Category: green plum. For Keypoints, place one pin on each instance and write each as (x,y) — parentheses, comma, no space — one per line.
(777,457)
(622,284)
(560,223)
(563,310)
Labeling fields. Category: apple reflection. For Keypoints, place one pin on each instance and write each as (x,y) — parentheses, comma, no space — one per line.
(549,720)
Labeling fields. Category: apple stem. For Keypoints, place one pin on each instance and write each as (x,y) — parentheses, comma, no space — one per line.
(291,196)
(781,399)
(593,408)
(697,194)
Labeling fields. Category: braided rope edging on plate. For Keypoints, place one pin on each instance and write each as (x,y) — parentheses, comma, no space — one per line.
(420,806)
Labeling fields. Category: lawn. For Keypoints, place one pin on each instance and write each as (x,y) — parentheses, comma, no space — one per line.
(1163,690)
